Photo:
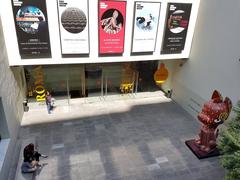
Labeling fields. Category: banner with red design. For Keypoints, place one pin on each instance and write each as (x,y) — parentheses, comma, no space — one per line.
(112,19)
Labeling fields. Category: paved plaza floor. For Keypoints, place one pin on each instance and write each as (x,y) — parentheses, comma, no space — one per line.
(134,139)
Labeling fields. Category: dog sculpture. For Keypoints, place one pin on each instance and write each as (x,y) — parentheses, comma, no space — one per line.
(214,113)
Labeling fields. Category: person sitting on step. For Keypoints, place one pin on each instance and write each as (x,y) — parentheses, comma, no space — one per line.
(31,159)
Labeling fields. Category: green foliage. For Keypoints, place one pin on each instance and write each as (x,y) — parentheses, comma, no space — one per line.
(229,144)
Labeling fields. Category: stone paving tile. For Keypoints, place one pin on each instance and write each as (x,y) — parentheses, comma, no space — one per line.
(153,167)
(57,146)
(145,143)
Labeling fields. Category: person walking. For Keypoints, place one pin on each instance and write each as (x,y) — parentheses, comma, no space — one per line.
(49,102)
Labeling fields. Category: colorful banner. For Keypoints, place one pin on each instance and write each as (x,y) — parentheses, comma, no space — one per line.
(176,27)
(145,26)
(111,26)
(73,24)
(32,28)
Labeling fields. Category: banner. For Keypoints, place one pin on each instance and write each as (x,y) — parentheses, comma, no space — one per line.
(73,24)
(145,26)
(31,23)
(176,27)
(111,26)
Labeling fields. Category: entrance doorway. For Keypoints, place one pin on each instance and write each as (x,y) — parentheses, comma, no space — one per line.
(146,70)
(109,80)
(93,81)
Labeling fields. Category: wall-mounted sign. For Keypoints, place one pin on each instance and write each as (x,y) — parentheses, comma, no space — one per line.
(145,26)
(111,26)
(176,27)
(73,24)
(31,23)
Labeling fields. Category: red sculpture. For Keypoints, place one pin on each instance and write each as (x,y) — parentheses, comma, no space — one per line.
(214,113)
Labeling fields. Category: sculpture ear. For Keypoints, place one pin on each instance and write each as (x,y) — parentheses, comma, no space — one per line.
(216,95)
(228,103)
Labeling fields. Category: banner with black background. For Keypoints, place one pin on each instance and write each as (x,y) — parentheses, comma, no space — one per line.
(178,15)
(31,23)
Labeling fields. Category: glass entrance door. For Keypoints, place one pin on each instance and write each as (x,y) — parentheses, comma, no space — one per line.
(76,79)
(93,81)
(119,80)
(41,79)
(146,70)
(112,79)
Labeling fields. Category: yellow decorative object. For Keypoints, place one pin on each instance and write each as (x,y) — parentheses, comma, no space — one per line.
(39,89)
(126,88)
(127,84)
(223,116)
(161,75)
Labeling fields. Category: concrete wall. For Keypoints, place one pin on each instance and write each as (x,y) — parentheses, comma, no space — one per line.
(214,59)
(4,133)
(12,97)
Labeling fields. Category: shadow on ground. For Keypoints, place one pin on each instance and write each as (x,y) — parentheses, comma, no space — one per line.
(144,143)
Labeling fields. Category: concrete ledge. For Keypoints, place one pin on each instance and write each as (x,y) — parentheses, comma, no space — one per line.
(3,150)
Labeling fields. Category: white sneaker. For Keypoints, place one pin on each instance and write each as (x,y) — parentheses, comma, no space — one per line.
(44,156)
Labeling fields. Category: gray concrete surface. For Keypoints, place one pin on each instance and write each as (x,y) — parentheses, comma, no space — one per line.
(141,142)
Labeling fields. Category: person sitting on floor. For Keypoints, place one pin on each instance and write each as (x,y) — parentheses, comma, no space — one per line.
(31,159)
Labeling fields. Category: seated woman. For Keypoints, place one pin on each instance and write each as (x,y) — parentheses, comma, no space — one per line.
(31,159)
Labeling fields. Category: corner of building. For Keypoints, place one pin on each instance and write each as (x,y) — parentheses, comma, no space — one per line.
(11,98)
(214,59)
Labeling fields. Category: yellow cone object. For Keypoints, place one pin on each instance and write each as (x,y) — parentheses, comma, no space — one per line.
(161,75)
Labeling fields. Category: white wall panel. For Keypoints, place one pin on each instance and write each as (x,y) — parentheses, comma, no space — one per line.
(12,45)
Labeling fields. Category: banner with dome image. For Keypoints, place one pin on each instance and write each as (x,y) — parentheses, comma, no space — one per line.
(31,24)
(176,27)
(145,26)
(73,24)
(112,19)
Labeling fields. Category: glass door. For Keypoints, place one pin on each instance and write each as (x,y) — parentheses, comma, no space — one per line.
(112,80)
(76,81)
(40,79)
(94,81)
(56,81)
(119,80)
(146,70)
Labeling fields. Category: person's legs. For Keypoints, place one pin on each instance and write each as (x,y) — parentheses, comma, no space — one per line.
(52,103)
(29,167)
(34,163)
(31,170)
(49,108)
(36,155)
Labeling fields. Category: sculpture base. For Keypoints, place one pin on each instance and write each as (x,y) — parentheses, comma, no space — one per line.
(200,154)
